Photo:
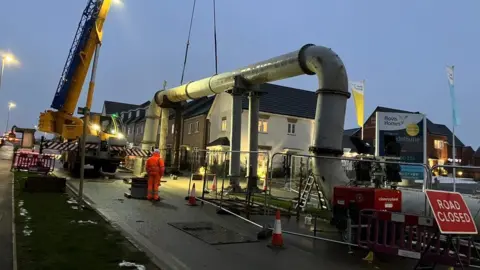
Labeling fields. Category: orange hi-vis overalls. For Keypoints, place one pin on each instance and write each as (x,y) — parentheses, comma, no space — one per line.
(155,168)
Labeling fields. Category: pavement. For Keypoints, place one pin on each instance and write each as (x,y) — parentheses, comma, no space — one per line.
(147,224)
(6,239)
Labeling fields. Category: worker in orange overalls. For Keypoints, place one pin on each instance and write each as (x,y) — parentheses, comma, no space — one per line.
(155,168)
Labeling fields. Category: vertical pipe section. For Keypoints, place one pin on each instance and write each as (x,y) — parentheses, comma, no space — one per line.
(177,131)
(332,95)
(253,111)
(162,144)
(235,139)
(151,126)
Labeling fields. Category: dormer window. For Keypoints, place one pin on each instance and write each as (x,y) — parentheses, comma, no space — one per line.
(138,113)
(129,115)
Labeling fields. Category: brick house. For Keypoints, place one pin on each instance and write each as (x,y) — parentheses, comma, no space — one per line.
(439,141)
(194,131)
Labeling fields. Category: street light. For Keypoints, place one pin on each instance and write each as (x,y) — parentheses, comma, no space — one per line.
(11,105)
(118,3)
(7,59)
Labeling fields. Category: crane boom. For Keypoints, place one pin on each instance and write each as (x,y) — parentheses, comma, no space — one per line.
(88,35)
(86,42)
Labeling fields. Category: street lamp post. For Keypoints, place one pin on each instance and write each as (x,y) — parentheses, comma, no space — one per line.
(11,105)
(6,59)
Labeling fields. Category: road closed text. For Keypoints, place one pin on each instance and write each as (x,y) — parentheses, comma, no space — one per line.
(451,211)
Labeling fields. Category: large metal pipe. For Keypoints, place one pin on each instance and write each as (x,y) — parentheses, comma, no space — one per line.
(152,121)
(310,59)
(278,68)
(162,142)
(332,97)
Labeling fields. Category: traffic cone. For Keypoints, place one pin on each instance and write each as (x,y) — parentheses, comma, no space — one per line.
(192,200)
(214,183)
(277,239)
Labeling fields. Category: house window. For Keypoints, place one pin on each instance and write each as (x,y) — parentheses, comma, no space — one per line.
(197,126)
(190,127)
(173,128)
(129,131)
(291,128)
(438,144)
(263,126)
(223,125)
(141,130)
(138,113)
(130,115)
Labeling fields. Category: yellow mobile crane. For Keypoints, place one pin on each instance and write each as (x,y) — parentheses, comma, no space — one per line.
(105,144)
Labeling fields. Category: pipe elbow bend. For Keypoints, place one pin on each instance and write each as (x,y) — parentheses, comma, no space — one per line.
(326,64)
(160,97)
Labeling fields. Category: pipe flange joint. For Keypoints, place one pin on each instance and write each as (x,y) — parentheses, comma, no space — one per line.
(333,92)
(319,151)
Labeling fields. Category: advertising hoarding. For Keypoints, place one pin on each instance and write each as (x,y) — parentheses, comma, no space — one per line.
(409,130)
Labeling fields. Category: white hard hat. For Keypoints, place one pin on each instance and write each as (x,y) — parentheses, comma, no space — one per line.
(156,151)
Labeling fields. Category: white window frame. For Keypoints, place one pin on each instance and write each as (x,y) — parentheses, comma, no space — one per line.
(190,127)
(223,125)
(129,115)
(129,131)
(138,113)
(438,144)
(261,126)
(291,128)
(196,127)
(173,128)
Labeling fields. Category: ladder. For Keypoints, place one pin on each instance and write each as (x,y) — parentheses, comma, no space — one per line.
(306,192)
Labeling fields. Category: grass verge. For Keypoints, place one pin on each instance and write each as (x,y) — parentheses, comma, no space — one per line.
(52,234)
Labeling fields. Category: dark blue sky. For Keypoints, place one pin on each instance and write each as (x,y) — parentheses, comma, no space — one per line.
(401,48)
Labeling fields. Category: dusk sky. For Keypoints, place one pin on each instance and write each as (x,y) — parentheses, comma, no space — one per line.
(400,48)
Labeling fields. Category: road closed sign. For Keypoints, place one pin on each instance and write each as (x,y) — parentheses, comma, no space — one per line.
(451,212)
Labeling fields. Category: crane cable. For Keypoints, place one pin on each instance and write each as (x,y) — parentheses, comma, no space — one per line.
(188,42)
(215,36)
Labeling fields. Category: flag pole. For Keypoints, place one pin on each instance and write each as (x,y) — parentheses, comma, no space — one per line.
(363,124)
(454,148)
(454,154)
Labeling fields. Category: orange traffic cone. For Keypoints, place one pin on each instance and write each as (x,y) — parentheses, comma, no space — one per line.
(277,239)
(214,183)
(192,200)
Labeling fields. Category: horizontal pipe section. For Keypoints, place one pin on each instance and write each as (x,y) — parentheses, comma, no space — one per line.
(274,69)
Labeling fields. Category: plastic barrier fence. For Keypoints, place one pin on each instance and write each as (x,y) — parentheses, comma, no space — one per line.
(33,162)
(411,236)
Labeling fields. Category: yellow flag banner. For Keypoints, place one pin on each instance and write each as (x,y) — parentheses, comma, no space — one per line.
(358,90)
